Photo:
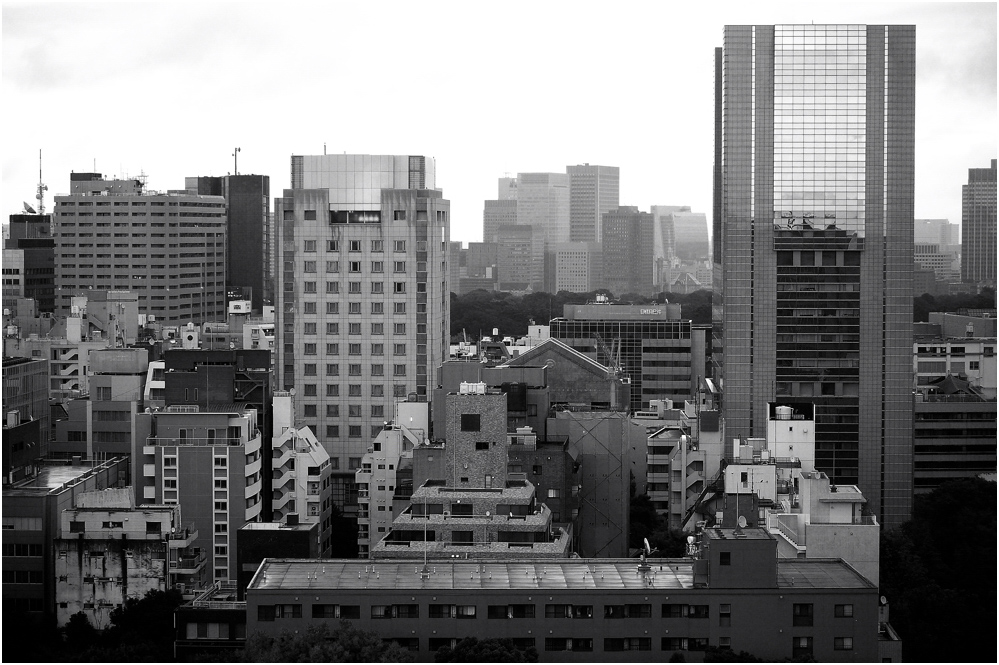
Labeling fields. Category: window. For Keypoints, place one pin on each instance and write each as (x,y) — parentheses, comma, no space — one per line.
(698,612)
(724,615)
(310,328)
(398,287)
(399,245)
(310,266)
(725,558)
(354,329)
(332,267)
(378,287)
(377,390)
(333,432)
(843,643)
(309,349)
(843,611)
(377,245)
(801,647)
(332,287)
(310,411)
(398,390)
(332,410)
(674,611)
(354,308)
(378,349)
(627,644)
(377,266)
(354,410)
(377,411)
(354,369)
(482,445)
(554,493)
(802,614)
(377,308)
(333,349)
(558,611)
(332,328)
(399,350)
(399,328)
(309,246)
(398,370)
(635,611)
(399,308)
(354,431)
(354,266)
(332,245)
(399,266)
(354,390)
(377,328)
(378,370)
(310,390)
(353,463)
(470,422)
(309,287)
(354,287)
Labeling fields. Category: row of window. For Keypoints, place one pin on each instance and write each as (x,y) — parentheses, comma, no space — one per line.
(398,246)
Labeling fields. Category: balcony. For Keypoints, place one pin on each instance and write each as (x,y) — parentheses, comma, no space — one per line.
(188,565)
(189,441)
(182,537)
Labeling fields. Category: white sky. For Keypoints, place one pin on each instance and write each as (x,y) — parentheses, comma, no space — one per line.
(486,88)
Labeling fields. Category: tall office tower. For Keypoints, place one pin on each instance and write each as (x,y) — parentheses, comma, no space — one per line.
(543,203)
(814,281)
(507,189)
(170,249)
(249,244)
(628,244)
(593,191)
(495,214)
(31,235)
(936,232)
(690,231)
(978,227)
(576,267)
(363,301)
(518,247)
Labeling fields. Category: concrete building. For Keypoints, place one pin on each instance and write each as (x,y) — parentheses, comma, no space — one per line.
(256,541)
(25,392)
(736,594)
(661,354)
(628,251)
(807,310)
(169,249)
(108,551)
(520,251)
(68,358)
(300,474)
(31,242)
(363,301)
(213,623)
(543,204)
(593,192)
(32,514)
(465,502)
(576,267)
(978,227)
(208,461)
(971,359)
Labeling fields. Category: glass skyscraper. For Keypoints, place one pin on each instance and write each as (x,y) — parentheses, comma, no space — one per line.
(814,243)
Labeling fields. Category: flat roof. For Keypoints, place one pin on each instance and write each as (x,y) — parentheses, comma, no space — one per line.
(278,526)
(529,574)
(50,478)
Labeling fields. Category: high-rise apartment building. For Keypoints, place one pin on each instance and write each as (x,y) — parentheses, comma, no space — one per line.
(362,297)
(593,191)
(978,226)
(814,243)
(169,249)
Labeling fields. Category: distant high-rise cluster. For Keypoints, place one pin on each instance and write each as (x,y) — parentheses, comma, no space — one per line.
(568,232)
(978,226)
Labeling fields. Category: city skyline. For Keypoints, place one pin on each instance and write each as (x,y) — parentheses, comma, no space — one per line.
(198,85)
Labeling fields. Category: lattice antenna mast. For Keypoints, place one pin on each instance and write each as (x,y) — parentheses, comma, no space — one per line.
(42,187)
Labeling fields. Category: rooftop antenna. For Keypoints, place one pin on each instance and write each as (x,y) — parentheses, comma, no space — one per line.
(42,187)
(235,165)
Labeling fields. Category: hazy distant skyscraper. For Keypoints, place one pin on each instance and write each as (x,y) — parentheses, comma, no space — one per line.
(628,239)
(495,214)
(363,301)
(814,196)
(543,202)
(593,191)
(978,226)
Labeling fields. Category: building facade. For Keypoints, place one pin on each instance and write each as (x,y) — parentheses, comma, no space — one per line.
(628,248)
(593,191)
(814,187)
(363,300)
(169,249)
(978,226)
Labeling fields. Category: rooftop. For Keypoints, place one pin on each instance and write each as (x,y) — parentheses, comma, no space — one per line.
(596,574)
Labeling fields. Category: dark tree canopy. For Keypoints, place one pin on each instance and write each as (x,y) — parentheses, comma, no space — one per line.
(322,644)
(938,574)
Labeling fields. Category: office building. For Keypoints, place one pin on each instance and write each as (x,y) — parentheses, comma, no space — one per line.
(543,203)
(628,251)
(658,351)
(978,226)
(363,301)
(496,214)
(25,392)
(593,192)
(814,243)
(31,238)
(576,267)
(733,594)
(249,241)
(167,248)
(520,251)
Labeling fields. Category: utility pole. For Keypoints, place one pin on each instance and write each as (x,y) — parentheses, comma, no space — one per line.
(235,165)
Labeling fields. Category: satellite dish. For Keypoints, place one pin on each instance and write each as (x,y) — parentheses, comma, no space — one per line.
(742,522)
(690,540)
(487,513)
(648,548)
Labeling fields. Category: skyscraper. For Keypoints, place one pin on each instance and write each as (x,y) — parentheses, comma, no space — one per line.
(628,243)
(362,297)
(814,213)
(978,226)
(593,191)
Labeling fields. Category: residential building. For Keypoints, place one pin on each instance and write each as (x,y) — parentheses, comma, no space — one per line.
(363,301)
(32,514)
(593,192)
(170,249)
(108,550)
(300,473)
(628,244)
(978,226)
(734,594)
(208,461)
(661,354)
(815,161)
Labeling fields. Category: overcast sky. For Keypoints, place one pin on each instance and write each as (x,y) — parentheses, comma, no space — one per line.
(488,89)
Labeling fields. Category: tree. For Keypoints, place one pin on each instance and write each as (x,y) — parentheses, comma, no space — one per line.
(493,650)
(321,644)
